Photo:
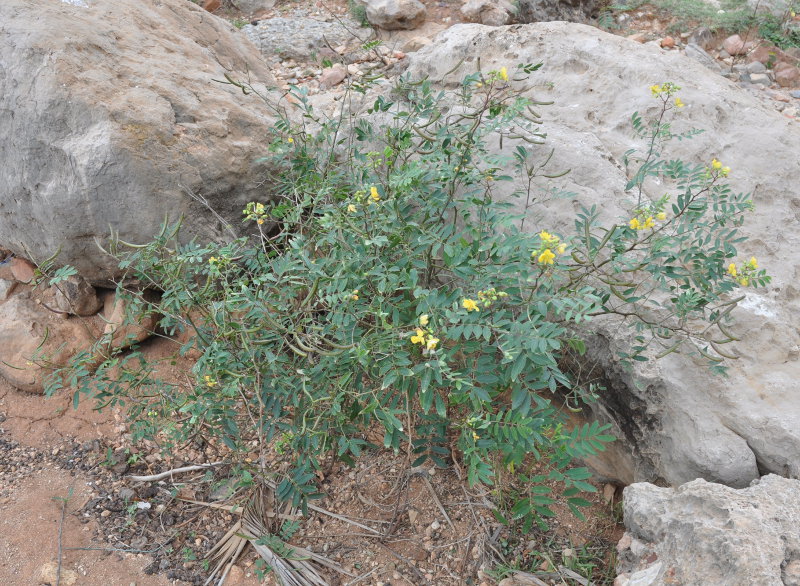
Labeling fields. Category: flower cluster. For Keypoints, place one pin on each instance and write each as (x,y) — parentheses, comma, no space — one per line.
(717,169)
(544,255)
(665,91)
(745,272)
(209,380)
(645,218)
(255,211)
(425,337)
(490,296)
(470,305)
(361,196)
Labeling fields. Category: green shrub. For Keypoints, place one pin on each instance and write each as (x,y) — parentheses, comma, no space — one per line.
(389,288)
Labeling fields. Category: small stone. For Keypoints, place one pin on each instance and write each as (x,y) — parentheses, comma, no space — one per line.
(211,5)
(756,67)
(48,573)
(787,75)
(702,37)
(436,525)
(791,573)
(734,45)
(105,513)
(667,43)
(795,94)
(127,494)
(332,76)
(22,270)
(609,490)
(760,79)
(638,37)
(624,543)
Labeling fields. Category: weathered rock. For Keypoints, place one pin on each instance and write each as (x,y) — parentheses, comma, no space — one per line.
(701,56)
(703,533)
(702,37)
(122,330)
(34,340)
(395,14)
(254,6)
(6,288)
(332,76)
(73,296)
(110,126)
(299,38)
(211,5)
(787,75)
(550,10)
(489,12)
(734,45)
(675,420)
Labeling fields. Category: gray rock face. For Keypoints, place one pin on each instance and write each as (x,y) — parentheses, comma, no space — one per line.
(394,15)
(703,533)
(107,127)
(489,12)
(676,421)
(300,37)
(253,6)
(550,10)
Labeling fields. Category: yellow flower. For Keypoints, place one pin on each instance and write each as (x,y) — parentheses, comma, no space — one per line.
(475,436)
(290,140)
(679,103)
(470,305)
(351,208)
(209,381)
(260,221)
(753,264)
(545,236)
(479,84)
(423,319)
(655,89)
(419,338)
(373,194)
(661,216)
(547,257)
(259,208)
(732,269)
(724,172)
(431,344)
(562,248)
(744,281)
(716,164)
(648,223)
(634,223)
(212,260)
(503,74)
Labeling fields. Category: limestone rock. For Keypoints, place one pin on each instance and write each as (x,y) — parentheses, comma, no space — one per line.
(394,14)
(701,56)
(254,6)
(110,126)
(122,330)
(489,12)
(33,340)
(703,533)
(73,296)
(551,10)
(332,76)
(675,420)
(734,45)
(298,38)
(787,75)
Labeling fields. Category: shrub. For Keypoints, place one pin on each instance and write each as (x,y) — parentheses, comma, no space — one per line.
(387,292)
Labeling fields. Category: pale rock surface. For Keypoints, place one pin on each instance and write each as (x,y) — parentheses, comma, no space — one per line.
(675,419)
(254,6)
(394,14)
(300,37)
(703,533)
(550,10)
(108,126)
(74,296)
(489,12)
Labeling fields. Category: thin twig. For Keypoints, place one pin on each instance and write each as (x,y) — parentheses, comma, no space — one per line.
(362,576)
(60,533)
(168,473)
(438,502)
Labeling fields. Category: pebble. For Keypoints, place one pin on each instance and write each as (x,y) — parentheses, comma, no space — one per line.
(795,94)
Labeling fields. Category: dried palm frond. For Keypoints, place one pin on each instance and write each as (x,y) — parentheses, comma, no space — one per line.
(259,526)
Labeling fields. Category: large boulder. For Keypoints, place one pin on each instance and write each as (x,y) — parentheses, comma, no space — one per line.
(110,117)
(704,533)
(393,15)
(549,10)
(676,421)
(301,37)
